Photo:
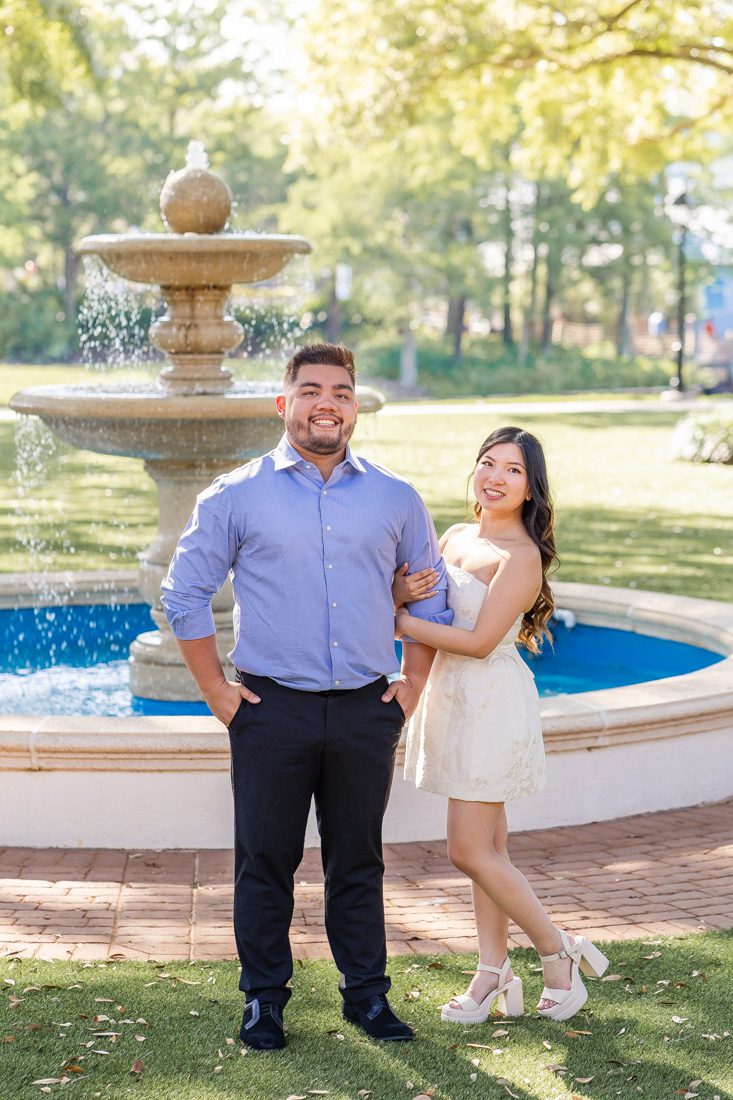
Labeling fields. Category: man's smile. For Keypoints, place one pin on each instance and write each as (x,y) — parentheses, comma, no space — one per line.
(325,421)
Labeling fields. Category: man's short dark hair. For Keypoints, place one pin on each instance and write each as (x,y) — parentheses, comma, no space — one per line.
(329,355)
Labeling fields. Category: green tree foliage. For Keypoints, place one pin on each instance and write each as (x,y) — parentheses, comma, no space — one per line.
(44,48)
(93,158)
(609,89)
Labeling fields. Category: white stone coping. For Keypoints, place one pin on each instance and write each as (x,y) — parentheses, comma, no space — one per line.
(695,703)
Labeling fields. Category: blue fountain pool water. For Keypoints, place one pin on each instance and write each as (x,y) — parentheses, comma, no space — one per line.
(73,660)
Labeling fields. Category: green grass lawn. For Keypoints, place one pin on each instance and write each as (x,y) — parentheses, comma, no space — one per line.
(657,1027)
(627,513)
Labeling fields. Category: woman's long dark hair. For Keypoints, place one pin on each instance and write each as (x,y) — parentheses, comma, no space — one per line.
(538,519)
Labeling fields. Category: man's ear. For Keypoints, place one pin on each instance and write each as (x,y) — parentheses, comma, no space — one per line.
(280,404)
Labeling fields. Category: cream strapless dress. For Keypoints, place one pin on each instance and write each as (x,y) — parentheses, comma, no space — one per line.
(476,733)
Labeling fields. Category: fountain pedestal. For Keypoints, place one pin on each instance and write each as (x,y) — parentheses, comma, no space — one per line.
(156,669)
(194,423)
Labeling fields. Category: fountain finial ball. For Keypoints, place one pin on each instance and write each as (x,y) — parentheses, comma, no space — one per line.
(195,200)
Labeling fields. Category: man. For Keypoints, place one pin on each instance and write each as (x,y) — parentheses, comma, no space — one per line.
(312,536)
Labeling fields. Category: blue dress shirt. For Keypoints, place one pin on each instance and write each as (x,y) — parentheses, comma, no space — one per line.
(311,566)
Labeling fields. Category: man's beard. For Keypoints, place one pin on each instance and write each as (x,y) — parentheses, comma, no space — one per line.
(302,434)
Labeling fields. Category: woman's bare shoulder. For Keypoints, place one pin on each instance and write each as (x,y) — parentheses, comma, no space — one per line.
(524,555)
(451,532)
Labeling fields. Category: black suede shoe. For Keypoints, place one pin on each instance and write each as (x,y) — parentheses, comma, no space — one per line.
(262,1026)
(374,1016)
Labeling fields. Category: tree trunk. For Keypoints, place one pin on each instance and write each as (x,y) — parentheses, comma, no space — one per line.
(333,322)
(456,324)
(550,290)
(508,332)
(408,360)
(529,321)
(623,336)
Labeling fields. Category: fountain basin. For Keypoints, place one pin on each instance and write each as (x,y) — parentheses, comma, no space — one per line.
(194,259)
(146,422)
(72,659)
(108,782)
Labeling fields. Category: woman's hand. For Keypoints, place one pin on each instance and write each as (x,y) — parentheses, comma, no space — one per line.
(418,586)
(402,621)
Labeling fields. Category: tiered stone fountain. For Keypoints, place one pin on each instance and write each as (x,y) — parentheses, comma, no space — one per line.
(194,422)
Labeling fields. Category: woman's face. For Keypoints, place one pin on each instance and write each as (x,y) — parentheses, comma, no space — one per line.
(500,482)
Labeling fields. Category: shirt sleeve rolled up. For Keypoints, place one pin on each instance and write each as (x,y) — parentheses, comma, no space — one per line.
(419,547)
(204,556)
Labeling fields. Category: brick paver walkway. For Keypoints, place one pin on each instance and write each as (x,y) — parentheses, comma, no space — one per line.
(664,873)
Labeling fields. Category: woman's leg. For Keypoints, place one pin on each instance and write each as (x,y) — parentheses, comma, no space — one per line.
(477,836)
(492,924)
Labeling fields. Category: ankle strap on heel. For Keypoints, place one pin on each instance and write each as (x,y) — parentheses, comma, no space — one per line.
(556,957)
(500,970)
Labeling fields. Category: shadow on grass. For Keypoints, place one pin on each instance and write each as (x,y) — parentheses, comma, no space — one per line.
(690,554)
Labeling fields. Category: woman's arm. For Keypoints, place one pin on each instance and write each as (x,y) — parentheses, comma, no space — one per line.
(513,588)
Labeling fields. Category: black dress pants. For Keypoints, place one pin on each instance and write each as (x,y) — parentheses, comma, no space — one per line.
(337,746)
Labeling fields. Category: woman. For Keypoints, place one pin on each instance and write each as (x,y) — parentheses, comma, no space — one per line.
(476,734)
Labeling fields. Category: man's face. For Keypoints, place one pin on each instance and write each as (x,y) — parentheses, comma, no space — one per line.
(319,409)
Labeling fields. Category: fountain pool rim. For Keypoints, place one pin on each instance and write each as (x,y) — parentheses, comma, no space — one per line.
(611,752)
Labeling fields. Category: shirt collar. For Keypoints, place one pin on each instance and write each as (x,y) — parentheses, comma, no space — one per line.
(285,455)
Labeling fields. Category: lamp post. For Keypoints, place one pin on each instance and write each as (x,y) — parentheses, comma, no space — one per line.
(679,213)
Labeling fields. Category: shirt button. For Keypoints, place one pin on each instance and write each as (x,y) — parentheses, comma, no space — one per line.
(335,643)
(337,682)
(328,526)
(334,605)
(330,566)
(325,492)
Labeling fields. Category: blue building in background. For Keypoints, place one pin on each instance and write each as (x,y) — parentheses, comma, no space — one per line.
(718,308)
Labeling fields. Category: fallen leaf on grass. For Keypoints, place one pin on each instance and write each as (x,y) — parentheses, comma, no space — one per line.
(364,1093)
(8,1038)
(478,1046)
(654,955)
(694,1084)
(74,1069)
(680,1019)
(557,1069)
(136,1067)
(583,1080)
(571,1034)
(217,1069)
(48,1081)
(546,1045)
(475,1061)
(612,978)
(499,1033)
(473,1077)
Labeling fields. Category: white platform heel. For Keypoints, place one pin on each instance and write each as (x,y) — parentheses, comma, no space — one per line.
(508,996)
(583,956)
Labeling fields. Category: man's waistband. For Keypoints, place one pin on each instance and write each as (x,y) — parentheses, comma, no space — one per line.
(252,681)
